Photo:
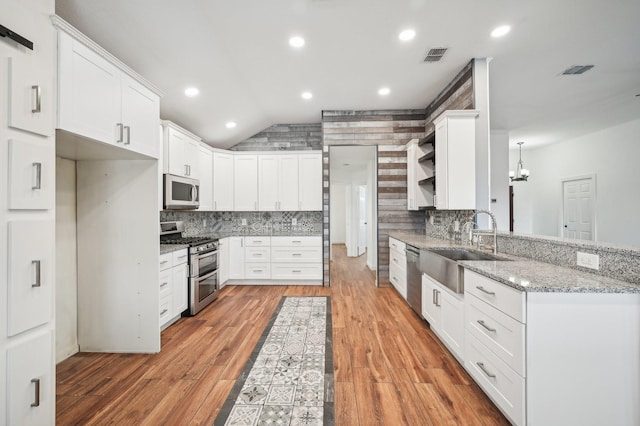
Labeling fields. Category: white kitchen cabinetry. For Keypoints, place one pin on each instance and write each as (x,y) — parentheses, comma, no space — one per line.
(444,310)
(97,99)
(180,277)
(223,261)
(420,173)
(296,258)
(455,165)
(205,175)
(245,182)
(528,351)
(27,216)
(310,191)
(398,266)
(278,182)
(182,151)
(223,181)
(173,281)
(236,258)
(257,257)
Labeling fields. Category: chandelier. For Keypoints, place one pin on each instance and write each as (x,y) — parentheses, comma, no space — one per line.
(521,174)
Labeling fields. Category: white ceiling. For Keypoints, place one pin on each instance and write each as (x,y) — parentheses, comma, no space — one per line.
(237,54)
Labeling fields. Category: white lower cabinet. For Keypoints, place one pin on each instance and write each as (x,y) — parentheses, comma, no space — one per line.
(174,282)
(223,261)
(236,258)
(444,310)
(31,381)
(398,266)
(180,275)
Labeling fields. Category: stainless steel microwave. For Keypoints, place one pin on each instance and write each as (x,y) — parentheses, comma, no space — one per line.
(181,193)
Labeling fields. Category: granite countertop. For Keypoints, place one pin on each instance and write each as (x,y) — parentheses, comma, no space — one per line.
(168,248)
(526,274)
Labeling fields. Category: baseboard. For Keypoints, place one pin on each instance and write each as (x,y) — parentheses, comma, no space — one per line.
(64,353)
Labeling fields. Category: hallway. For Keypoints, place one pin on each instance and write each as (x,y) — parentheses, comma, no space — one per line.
(389,368)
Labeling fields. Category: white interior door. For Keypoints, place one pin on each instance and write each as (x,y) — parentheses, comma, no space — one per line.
(362,219)
(578,208)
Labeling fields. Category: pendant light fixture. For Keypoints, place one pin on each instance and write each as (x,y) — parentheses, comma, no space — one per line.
(521,174)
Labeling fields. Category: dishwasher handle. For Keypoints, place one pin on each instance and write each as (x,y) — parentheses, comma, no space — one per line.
(413,253)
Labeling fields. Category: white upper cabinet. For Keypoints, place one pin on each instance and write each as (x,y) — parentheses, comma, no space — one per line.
(310,190)
(223,181)
(31,97)
(456,160)
(278,182)
(205,174)
(100,101)
(245,188)
(31,175)
(181,151)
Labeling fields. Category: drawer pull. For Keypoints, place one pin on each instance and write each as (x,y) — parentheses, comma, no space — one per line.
(38,168)
(481,322)
(296,254)
(164,311)
(36,402)
(257,270)
(296,242)
(296,270)
(38,282)
(164,284)
(257,254)
(485,291)
(164,261)
(484,370)
(38,107)
(182,257)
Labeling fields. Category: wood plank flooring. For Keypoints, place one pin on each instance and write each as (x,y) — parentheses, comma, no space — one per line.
(389,368)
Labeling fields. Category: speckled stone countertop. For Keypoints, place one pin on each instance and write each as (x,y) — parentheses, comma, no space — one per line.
(168,248)
(526,274)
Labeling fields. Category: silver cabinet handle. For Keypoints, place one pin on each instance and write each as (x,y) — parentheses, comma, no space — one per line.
(38,167)
(482,323)
(38,107)
(296,270)
(296,254)
(433,296)
(38,276)
(484,370)
(257,254)
(127,130)
(182,257)
(36,402)
(164,261)
(215,205)
(186,170)
(257,270)
(120,133)
(164,311)
(485,291)
(241,242)
(164,284)
(296,241)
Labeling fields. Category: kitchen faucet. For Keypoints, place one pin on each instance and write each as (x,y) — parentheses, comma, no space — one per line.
(479,233)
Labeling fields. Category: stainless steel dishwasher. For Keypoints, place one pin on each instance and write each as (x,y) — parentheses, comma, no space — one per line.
(414,279)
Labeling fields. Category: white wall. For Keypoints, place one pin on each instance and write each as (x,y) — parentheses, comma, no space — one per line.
(612,154)
(66,260)
(337,214)
(500,178)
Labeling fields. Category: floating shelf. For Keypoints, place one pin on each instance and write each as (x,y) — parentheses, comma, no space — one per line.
(427,156)
(428,139)
(427,180)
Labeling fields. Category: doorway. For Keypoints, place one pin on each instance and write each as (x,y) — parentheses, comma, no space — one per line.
(353,204)
(578,208)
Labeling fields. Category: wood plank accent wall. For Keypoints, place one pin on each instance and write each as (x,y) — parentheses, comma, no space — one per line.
(389,131)
(299,137)
(457,95)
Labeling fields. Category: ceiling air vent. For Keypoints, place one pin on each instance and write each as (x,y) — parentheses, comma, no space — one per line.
(577,69)
(435,54)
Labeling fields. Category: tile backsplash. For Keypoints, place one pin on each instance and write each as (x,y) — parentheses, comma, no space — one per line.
(439,223)
(257,223)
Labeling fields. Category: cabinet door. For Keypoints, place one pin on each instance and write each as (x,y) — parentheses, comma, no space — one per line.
(431,303)
(452,323)
(310,191)
(176,149)
(140,117)
(31,260)
(236,258)
(180,288)
(31,95)
(30,379)
(191,154)
(245,191)
(268,182)
(288,182)
(31,175)
(205,175)
(223,261)
(441,198)
(223,182)
(89,92)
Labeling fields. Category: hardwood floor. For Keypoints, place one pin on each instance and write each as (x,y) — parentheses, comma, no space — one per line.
(389,367)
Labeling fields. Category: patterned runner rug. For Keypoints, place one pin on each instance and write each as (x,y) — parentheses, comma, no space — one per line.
(288,379)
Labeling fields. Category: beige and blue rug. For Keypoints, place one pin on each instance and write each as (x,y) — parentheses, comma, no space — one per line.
(288,379)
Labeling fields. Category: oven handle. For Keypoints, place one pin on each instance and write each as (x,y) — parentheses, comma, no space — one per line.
(206,277)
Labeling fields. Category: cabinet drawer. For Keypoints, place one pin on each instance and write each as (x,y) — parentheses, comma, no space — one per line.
(166,278)
(298,271)
(505,387)
(257,254)
(180,257)
(258,271)
(396,245)
(166,261)
(503,335)
(315,241)
(165,309)
(257,241)
(508,300)
(302,254)
(398,258)
(398,278)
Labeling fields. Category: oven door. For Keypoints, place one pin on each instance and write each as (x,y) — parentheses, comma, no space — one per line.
(203,290)
(204,263)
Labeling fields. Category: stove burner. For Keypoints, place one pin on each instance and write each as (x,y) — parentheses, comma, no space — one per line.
(186,240)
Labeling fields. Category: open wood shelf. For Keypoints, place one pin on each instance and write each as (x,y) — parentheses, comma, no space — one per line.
(431,138)
(427,180)
(428,156)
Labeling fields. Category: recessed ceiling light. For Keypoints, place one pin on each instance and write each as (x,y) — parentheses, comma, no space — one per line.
(407,35)
(307,95)
(500,31)
(296,41)
(191,92)
(230,124)
(384,91)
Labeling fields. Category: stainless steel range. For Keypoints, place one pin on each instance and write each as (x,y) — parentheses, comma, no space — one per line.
(203,264)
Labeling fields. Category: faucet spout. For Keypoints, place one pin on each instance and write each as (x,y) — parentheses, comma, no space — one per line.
(479,233)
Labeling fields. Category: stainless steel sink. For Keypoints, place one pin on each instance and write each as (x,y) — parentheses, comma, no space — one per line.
(442,265)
